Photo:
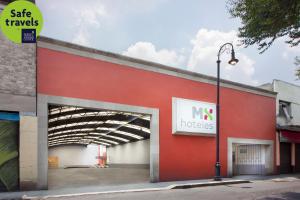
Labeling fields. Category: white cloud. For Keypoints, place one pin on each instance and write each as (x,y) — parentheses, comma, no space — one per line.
(83,19)
(79,18)
(81,37)
(88,18)
(289,53)
(285,55)
(147,51)
(90,14)
(203,58)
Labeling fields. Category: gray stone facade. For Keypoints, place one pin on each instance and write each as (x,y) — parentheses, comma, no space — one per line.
(17,68)
(17,75)
(18,93)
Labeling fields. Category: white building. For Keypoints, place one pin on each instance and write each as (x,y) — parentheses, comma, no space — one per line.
(288,125)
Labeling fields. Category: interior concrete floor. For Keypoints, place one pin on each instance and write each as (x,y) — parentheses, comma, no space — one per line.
(81,177)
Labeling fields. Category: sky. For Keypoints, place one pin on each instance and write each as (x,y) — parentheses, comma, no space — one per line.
(181,34)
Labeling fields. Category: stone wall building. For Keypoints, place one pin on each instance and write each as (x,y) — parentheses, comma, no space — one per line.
(18,99)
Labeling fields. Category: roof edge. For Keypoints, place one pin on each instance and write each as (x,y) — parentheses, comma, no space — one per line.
(285,82)
(147,65)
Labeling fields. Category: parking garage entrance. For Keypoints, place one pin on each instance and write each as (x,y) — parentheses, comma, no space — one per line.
(97,147)
(249,156)
(248,159)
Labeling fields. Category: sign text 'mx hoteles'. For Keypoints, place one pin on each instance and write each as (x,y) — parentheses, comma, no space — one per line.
(190,117)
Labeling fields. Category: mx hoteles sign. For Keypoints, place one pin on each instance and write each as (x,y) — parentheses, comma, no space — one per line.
(191,117)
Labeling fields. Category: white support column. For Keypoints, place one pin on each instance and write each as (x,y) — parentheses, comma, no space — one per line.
(28,152)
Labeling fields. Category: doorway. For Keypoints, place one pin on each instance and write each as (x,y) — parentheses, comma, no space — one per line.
(285,158)
(97,147)
(44,101)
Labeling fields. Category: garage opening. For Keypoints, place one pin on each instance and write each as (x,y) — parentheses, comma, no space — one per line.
(285,158)
(249,159)
(92,147)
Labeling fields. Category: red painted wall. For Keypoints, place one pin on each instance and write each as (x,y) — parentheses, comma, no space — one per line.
(243,114)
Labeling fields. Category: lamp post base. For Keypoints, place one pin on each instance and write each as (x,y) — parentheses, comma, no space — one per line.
(218,172)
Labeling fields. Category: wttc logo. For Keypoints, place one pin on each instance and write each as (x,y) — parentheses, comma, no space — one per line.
(21,21)
(193,117)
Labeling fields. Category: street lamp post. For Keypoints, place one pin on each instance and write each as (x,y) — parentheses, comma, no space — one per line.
(232,61)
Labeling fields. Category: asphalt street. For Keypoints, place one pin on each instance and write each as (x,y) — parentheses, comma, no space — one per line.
(275,189)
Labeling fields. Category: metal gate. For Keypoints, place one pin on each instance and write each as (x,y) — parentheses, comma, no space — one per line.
(9,151)
(248,159)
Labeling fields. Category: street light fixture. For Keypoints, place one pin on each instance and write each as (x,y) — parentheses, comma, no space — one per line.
(232,61)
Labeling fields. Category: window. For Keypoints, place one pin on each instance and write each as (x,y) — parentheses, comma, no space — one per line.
(285,110)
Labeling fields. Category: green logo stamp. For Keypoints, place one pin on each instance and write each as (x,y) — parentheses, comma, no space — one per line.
(21,22)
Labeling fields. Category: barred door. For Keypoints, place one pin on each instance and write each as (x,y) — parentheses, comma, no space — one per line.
(249,160)
(9,153)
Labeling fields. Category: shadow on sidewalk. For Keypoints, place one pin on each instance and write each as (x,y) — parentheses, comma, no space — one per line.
(283,196)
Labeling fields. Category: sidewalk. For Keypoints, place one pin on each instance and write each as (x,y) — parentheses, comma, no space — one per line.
(116,188)
(135,187)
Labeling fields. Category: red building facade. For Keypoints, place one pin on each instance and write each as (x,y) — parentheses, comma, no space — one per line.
(248,114)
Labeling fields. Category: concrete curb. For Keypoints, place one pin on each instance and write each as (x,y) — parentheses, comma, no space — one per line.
(170,187)
(213,183)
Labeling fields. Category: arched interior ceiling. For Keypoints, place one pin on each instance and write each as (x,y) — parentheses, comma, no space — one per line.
(75,125)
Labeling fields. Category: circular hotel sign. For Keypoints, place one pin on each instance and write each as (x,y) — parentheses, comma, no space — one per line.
(21,22)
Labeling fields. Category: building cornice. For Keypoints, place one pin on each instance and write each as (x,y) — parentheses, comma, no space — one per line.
(53,44)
